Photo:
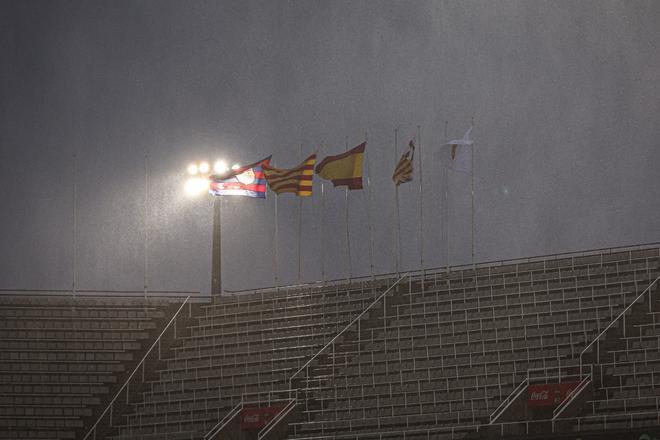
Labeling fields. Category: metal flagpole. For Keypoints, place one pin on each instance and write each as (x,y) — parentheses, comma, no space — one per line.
(276,245)
(472,189)
(300,227)
(371,237)
(322,234)
(348,233)
(74,261)
(421,200)
(146,221)
(398,218)
(445,178)
(216,257)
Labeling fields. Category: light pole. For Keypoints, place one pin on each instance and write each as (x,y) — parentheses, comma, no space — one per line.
(199,182)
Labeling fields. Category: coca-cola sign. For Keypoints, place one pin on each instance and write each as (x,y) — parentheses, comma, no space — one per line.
(257,418)
(549,394)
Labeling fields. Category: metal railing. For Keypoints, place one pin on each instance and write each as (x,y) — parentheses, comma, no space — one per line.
(572,395)
(615,320)
(349,325)
(278,418)
(445,269)
(137,367)
(225,421)
(567,370)
(506,403)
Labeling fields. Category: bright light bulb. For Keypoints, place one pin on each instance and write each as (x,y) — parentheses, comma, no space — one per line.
(235,166)
(196,185)
(204,167)
(220,167)
(192,169)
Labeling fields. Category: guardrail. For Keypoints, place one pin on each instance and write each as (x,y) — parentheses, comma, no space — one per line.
(137,367)
(619,316)
(521,388)
(225,421)
(356,319)
(444,269)
(279,417)
(572,396)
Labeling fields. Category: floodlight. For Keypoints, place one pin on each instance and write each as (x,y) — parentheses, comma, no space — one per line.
(192,169)
(196,185)
(204,167)
(220,167)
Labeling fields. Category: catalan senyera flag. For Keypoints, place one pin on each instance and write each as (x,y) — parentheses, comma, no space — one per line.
(247,181)
(344,169)
(404,169)
(298,180)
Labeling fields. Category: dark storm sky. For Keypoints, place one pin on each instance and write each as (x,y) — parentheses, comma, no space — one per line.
(565,96)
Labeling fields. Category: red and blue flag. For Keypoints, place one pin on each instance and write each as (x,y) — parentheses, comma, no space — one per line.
(247,181)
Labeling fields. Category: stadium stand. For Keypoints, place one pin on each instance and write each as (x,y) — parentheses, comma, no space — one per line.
(439,354)
(62,357)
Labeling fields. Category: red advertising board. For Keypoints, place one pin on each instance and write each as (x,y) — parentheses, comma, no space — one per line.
(257,418)
(549,394)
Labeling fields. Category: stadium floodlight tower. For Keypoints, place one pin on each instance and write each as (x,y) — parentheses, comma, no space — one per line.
(198,183)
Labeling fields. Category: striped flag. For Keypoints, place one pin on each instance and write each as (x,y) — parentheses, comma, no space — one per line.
(247,181)
(404,169)
(296,180)
(344,169)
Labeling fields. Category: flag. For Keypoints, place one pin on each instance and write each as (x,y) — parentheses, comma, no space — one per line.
(457,154)
(404,169)
(296,180)
(344,169)
(248,181)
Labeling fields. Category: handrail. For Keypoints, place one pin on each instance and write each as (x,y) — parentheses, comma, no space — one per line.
(345,328)
(225,420)
(509,400)
(571,396)
(617,318)
(93,428)
(151,294)
(443,269)
(275,420)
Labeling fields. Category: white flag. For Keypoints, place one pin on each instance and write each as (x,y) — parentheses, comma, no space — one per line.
(457,154)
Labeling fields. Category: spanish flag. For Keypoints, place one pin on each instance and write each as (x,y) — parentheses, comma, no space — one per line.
(296,180)
(344,169)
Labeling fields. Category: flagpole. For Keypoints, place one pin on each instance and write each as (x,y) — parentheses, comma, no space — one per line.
(300,227)
(421,200)
(74,262)
(348,234)
(398,219)
(445,177)
(322,234)
(369,220)
(216,257)
(276,245)
(472,189)
(146,221)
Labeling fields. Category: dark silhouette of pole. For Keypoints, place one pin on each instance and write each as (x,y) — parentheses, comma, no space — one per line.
(216,258)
